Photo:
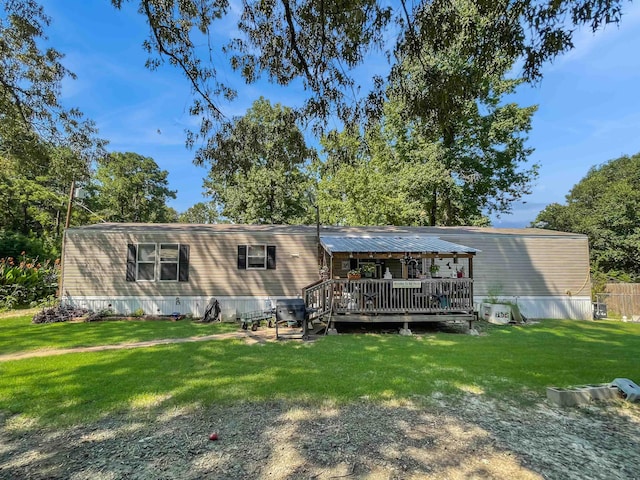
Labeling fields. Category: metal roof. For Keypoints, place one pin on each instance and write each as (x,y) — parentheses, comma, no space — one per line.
(391,244)
(370,231)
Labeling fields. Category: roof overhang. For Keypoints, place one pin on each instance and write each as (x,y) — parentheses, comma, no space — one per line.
(392,244)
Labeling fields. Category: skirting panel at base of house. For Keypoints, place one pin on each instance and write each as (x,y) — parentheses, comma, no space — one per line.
(230,307)
(564,307)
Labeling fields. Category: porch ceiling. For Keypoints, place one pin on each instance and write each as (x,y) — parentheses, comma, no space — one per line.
(391,244)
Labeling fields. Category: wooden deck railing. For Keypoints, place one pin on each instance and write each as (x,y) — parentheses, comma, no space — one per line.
(368,296)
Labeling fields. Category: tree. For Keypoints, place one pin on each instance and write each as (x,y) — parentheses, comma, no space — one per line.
(452,91)
(32,121)
(43,145)
(201,212)
(34,196)
(128,187)
(605,206)
(321,44)
(257,172)
(447,149)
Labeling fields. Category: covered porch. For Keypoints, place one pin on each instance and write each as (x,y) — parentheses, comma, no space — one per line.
(393,278)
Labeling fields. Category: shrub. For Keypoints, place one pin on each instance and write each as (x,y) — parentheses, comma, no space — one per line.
(13,243)
(60,313)
(27,282)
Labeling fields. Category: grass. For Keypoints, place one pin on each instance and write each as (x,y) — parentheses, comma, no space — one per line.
(510,362)
(18,334)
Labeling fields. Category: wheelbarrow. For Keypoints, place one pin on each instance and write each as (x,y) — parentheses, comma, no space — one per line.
(254,318)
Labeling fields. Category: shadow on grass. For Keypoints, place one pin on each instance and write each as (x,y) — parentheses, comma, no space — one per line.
(19,334)
(431,406)
(293,440)
(513,361)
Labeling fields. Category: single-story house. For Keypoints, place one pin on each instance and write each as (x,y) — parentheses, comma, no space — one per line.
(178,268)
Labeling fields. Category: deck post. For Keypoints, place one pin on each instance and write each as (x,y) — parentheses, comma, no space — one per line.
(405,329)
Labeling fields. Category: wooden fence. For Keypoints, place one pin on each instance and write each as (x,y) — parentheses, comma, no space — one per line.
(621,299)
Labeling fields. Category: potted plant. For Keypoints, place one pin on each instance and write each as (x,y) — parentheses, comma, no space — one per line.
(368,270)
(354,274)
(434,269)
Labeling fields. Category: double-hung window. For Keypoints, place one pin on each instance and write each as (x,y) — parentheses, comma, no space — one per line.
(146,262)
(256,257)
(150,262)
(169,261)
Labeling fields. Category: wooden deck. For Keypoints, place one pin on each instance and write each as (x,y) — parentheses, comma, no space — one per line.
(433,299)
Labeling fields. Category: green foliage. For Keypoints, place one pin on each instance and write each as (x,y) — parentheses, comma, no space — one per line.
(508,362)
(128,187)
(493,294)
(257,170)
(403,171)
(320,45)
(26,281)
(12,244)
(200,213)
(43,145)
(605,206)
(30,82)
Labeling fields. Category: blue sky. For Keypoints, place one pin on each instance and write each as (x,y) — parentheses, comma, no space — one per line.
(588,102)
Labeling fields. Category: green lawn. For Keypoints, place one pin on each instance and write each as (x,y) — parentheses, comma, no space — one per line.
(509,362)
(18,334)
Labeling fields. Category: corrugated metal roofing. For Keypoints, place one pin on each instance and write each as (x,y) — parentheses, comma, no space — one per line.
(391,244)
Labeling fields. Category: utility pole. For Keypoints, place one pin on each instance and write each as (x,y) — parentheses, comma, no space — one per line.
(64,237)
(71,192)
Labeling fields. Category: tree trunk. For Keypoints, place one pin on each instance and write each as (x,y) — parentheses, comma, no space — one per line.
(448,140)
(434,208)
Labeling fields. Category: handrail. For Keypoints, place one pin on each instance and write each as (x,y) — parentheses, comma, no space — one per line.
(317,298)
(382,296)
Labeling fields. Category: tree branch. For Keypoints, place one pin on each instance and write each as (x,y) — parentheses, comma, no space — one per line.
(294,43)
(193,78)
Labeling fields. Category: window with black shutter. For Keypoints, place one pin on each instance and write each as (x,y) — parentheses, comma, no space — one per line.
(163,262)
(256,257)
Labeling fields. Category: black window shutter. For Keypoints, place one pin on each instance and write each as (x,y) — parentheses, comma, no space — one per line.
(183,274)
(132,252)
(271,257)
(242,257)
(353,263)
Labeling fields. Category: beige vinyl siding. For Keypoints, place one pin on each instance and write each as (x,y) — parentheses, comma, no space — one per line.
(528,265)
(95,264)
(526,262)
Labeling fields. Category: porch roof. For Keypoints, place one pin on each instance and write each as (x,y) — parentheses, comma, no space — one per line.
(391,244)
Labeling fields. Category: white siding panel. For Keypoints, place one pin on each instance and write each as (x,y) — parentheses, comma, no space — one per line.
(571,308)
(230,307)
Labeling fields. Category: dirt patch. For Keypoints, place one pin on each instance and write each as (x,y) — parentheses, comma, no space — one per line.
(423,439)
(250,338)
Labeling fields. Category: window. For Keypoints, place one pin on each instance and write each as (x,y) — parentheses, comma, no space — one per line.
(256,257)
(169,260)
(164,262)
(146,262)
